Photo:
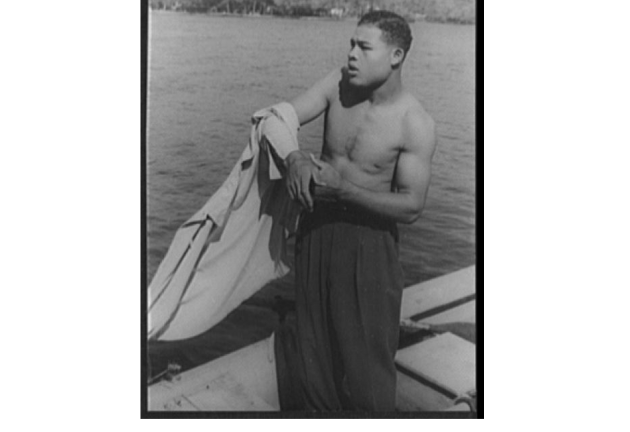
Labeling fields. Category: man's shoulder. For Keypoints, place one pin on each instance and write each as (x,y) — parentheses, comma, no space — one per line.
(328,86)
(333,78)
(418,124)
(415,113)
(337,73)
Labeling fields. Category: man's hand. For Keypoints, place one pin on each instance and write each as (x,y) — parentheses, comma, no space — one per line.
(328,182)
(300,171)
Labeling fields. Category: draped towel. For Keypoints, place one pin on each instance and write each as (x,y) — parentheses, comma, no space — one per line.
(236,242)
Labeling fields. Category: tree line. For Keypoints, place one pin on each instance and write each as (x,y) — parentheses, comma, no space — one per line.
(453,11)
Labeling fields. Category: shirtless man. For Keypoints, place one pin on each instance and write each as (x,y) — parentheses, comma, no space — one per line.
(374,172)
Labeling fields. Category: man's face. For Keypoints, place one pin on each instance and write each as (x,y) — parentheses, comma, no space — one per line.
(369,59)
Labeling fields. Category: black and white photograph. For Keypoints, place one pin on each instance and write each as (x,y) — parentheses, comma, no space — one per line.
(310,190)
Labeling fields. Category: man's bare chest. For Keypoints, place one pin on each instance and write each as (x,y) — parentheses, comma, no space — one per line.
(365,136)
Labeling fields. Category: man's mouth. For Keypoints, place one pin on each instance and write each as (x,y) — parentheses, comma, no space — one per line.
(352,70)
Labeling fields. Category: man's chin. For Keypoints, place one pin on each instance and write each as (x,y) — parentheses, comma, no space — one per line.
(356,82)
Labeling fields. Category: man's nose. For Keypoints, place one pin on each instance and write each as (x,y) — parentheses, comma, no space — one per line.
(352,54)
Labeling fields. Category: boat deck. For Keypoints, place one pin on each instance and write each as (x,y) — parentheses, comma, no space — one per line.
(435,362)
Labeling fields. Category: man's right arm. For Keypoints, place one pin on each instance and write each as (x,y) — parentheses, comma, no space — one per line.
(308,106)
(314,101)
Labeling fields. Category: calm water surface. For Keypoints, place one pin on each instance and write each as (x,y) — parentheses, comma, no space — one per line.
(209,74)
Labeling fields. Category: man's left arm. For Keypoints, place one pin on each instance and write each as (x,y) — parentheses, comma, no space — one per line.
(413,173)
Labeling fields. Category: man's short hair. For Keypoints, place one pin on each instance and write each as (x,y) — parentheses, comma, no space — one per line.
(395,29)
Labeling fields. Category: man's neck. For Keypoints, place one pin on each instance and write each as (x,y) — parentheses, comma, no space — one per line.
(388,91)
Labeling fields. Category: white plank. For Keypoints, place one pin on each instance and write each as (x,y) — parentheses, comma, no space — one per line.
(459,407)
(412,395)
(462,313)
(445,360)
(437,292)
(178,404)
(253,367)
(227,393)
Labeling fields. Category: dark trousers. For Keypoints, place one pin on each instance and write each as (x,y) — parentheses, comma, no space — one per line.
(340,356)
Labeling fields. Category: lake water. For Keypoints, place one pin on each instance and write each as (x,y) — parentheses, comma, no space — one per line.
(209,74)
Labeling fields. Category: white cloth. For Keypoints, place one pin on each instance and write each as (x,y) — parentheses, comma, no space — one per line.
(235,243)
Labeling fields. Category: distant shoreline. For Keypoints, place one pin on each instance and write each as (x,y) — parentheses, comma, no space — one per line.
(301,17)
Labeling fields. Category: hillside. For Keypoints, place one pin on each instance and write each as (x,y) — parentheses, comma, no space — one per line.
(453,11)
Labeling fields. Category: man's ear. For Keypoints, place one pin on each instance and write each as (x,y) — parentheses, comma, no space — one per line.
(398,54)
